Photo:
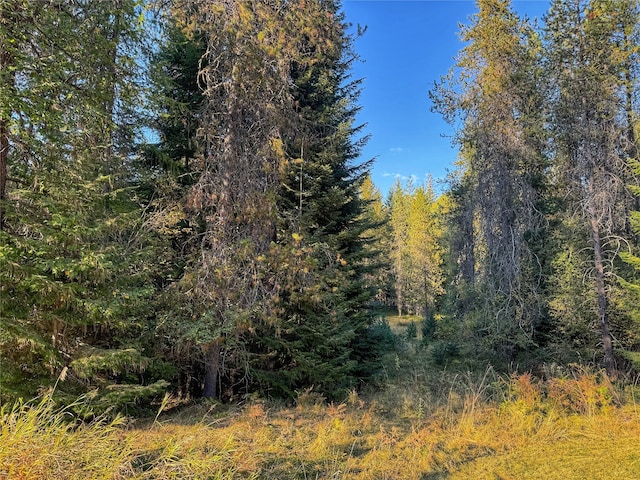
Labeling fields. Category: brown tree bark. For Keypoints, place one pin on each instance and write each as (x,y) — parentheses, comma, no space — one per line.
(213,364)
(607,342)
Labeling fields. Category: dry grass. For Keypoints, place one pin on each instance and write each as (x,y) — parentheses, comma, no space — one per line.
(399,324)
(425,424)
(575,427)
(39,441)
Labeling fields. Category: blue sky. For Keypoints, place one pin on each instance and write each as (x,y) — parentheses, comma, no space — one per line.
(408,46)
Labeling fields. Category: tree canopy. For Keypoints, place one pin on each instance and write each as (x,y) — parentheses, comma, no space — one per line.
(184,206)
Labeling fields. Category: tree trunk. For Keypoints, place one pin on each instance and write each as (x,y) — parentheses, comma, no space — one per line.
(111,69)
(5,61)
(4,154)
(212,369)
(607,343)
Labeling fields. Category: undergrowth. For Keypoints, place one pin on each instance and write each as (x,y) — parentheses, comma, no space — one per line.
(423,423)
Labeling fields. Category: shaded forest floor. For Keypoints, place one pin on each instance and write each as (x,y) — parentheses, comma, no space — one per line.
(420,423)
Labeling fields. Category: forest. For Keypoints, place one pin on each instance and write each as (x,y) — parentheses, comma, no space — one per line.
(187,225)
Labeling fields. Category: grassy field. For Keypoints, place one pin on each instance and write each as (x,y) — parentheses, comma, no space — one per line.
(423,423)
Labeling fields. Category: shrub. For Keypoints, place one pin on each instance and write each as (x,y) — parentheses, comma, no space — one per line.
(441,352)
(428,329)
(412,331)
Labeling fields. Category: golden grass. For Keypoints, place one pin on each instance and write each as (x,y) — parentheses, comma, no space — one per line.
(538,430)
(472,427)
(399,324)
(575,447)
(41,442)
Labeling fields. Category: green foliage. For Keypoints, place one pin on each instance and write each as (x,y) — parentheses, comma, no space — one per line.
(75,258)
(377,242)
(321,331)
(632,357)
(412,331)
(247,249)
(128,399)
(493,92)
(429,326)
(442,352)
(114,363)
(371,346)
(416,248)
(571,302)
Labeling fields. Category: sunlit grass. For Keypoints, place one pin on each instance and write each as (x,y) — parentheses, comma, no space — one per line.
(39,441)
(399,324)
(430,424)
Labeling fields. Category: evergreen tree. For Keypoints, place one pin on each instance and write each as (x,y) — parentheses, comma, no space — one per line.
(273,292)
(629,346)
(322,336)
(74,261)
(399,201)
(170,168)
(493,94)
(589,89)
(377,243)
(416,247)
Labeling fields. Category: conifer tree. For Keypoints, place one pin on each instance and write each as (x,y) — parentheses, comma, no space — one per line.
(273,291)
(322,336)
(377,242)
(169,169)
(629,346)
(492,92)
(424,242)
(74,287)
(399,201)
(587,64)
(416,247)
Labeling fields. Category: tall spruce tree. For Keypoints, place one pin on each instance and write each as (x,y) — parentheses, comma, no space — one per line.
(244,74)
(629,35)
(273,294)
(321,336)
